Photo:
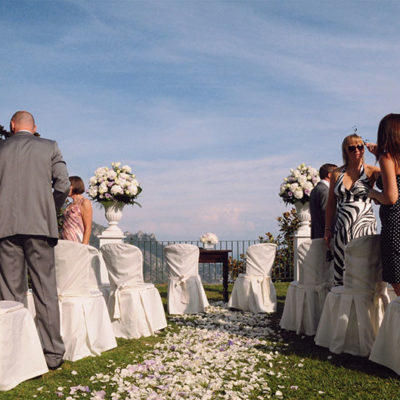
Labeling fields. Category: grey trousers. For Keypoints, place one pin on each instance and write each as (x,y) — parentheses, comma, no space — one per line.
(34,255)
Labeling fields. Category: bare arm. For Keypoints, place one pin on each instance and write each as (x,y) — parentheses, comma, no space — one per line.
(330,209)
(87,213)
(372,173)
(390,192)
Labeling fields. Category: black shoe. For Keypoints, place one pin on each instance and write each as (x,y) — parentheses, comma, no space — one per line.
(55,366)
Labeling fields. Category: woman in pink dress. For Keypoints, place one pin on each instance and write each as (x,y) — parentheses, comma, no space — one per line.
(78,215)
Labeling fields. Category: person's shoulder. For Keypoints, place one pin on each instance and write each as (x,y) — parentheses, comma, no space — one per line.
(371,169)
(339,170)
(86,202)
(46,142)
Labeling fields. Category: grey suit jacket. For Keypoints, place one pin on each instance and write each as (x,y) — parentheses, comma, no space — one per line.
(33,184)
(318,201)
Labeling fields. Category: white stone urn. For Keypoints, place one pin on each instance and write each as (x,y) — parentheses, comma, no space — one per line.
(113,213)
(303,214)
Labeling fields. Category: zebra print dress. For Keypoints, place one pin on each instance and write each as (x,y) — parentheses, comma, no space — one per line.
(354,218)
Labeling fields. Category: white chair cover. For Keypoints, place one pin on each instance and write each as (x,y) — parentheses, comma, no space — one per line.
(352,313)
(306,297)
(85,325)
(135,307)
(185,291)
(386,349)
(254,290)
(21,355)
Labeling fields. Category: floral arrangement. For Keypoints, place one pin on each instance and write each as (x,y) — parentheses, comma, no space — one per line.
(115,184)
(298,185)
(209,238)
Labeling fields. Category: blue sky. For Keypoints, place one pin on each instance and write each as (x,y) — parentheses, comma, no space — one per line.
(210,102)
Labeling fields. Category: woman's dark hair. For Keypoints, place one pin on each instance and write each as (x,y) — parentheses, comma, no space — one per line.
(78,187)
(389,137)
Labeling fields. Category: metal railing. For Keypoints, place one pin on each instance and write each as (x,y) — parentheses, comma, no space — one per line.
(155,270)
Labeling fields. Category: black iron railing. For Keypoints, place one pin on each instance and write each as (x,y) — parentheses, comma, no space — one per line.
(154,265)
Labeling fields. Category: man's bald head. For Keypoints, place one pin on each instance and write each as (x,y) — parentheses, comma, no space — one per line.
(22,121)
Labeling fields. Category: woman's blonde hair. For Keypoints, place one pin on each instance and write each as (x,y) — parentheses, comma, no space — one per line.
(389,137)
(344,147)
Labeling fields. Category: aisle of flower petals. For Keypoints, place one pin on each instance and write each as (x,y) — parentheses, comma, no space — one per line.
(217,355)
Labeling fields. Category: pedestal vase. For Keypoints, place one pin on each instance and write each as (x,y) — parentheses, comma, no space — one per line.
(113,213)
(304,216)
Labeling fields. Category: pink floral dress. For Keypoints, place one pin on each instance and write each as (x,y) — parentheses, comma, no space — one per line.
(73,223)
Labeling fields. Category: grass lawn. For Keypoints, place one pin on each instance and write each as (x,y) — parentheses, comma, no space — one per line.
(288,366)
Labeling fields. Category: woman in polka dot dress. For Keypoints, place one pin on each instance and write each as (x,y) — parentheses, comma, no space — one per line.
(387,151)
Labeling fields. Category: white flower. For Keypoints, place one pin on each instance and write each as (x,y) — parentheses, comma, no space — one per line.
(124,176)
(282,189)
(111,174)
(116,189)
(312,171)
(308,186)
(293,187)
(209,237)
(93,191)
(131,189)
(126,168)
(109,183)
(103,188)
(101,171)
(298,194)
(302,180)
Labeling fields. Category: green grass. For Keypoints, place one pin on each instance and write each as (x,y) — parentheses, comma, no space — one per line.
(338,376)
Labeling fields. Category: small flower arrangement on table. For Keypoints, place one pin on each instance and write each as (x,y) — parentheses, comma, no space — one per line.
(209,240)
(297,186)
(114,185)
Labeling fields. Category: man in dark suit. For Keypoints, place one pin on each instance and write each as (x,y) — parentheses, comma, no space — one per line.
(318,201)
(33,184)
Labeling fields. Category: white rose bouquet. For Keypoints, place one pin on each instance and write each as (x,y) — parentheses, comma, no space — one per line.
(115,184)
(298,185)
(209,238)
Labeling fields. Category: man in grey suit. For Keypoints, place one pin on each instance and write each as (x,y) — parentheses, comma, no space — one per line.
(318,201)
(33,184)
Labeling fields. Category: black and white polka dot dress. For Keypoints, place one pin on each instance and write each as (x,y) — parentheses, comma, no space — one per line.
(390,240)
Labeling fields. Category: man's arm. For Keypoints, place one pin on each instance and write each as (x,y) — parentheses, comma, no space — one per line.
(60,178)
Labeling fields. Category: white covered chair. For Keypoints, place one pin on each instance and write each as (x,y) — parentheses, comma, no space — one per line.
(135,307)
(21,354)
(352,313)
(386,348)
(306,297)
(254,290)
(185,291)
(85,324)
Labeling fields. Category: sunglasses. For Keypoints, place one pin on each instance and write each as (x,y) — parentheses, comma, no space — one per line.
(352,149)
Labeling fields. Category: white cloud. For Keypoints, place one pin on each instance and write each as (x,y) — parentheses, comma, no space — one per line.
(181,200)
(211,104)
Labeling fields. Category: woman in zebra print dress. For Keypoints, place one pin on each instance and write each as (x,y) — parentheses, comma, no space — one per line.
(348,200)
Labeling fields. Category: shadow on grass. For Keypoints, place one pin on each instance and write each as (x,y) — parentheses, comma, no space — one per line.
(304,347)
